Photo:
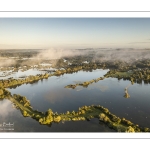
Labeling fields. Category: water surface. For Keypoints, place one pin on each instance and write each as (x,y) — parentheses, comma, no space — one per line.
(50,93)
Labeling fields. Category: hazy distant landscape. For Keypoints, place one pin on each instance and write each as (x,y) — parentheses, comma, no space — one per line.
(74,75)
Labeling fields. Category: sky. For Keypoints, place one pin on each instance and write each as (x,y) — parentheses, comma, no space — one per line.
(45,33)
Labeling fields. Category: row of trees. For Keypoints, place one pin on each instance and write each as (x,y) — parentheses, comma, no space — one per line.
(4,93)
(15,82)
(135,76)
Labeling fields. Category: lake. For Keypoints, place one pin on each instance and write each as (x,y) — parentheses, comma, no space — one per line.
(50,93)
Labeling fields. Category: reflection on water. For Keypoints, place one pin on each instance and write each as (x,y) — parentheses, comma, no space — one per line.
(54,96)
(126,95)
(50,93)
(20,73)
(102,88)
(5,108)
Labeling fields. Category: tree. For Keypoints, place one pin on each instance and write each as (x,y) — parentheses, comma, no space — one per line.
(1,92)
(126,95)
(49,112)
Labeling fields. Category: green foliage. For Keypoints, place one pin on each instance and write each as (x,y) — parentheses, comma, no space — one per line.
(106,119)
(49,112)
(73,112)
(2,97)
(1,92)
(57,119)
(67,112)
(82,111)
(106,110)
(25,114)
(146,130)
(41,120)
(101,116)
(130,129)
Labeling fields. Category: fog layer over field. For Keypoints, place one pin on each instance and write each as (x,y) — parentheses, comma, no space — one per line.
(59,53)
(7,62)
(99,54)
(128,55)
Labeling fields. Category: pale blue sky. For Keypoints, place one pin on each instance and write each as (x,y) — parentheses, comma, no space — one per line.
(44,33)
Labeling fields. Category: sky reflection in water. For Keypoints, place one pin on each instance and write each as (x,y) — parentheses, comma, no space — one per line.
(109,93)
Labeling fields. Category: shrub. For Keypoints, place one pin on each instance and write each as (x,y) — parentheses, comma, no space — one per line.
(106,110)
(146,129)
(1,92)
(25,113)
(82,111)
(41,120)
(102,116)
(67,112)
(73,112)
(57,119)
(130,129)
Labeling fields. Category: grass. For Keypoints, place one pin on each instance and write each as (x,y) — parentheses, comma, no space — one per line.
(121,74)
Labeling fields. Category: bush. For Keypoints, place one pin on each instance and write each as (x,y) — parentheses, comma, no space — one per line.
(106,110)
(41,120)
(49,112)
(146,129)
(57,119)
(106,119)
(130,129)
(25,113)
(73,112)
(1,92)
(82,111)
(102,116)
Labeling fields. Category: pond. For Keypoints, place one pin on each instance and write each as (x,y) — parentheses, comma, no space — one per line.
(50,93)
